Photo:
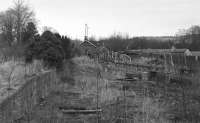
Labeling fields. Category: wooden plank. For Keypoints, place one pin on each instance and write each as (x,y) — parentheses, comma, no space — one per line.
(72,111)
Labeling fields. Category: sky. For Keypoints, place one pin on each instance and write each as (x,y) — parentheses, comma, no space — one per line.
(105,17)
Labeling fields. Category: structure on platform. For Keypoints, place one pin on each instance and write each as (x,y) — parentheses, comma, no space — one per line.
(92,48)
(88,47)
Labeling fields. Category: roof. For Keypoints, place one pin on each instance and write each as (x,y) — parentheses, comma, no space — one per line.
(179,50)
(89,43)
(96,43)
(195,53)
(156,51)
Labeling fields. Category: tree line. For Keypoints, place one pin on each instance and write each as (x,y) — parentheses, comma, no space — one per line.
(19,37)
(119,43)
(189,38)
(185,38)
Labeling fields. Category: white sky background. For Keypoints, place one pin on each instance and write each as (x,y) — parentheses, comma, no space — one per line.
(104,17)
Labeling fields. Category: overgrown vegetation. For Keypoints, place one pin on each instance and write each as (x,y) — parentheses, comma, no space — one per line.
(46,48)
(14,73)
(20,38)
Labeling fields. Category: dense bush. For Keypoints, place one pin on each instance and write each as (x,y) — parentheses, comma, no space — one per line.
(65,44)
(47,48)
(29,33)
(70,47)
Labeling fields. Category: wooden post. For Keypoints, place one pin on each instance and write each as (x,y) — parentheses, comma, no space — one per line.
(97,96)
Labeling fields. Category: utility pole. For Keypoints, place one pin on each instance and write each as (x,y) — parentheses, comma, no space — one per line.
(86,33)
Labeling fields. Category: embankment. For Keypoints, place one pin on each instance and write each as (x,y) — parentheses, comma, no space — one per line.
(19,106)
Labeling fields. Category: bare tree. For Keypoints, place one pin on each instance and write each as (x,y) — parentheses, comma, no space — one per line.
(14,21)
(23,14)
(7,27)
(194,30)
(7,74)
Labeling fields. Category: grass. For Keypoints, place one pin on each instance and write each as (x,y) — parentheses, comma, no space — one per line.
(78,88)
(86,77)
(85,62)
(13,74)
(86,82)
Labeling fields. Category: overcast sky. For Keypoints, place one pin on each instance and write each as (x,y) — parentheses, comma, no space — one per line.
(104,17)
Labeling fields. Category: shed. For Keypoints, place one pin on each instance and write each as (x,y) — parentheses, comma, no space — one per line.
(186,52)
(88,48)
(196,54)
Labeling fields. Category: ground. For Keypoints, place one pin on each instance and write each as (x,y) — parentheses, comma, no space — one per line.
(78,90)
(13,74)
(88,85)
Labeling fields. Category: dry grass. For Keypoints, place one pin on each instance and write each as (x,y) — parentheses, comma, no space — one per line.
(153,111)
(86,82)
(13,74)
(85,62)
(84,73)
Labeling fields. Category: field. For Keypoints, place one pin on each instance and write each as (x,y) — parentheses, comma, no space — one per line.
(13,74)
(79,72)
(91,92)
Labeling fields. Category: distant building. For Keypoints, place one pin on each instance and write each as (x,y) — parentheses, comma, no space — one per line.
(186,52)
(88,48)
(92,48)
(196,54)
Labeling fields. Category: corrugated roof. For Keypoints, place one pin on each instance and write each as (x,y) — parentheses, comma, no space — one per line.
(195,53)
(179,50)
(157,51)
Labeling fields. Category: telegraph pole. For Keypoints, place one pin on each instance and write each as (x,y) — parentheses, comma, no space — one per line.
(86,33)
